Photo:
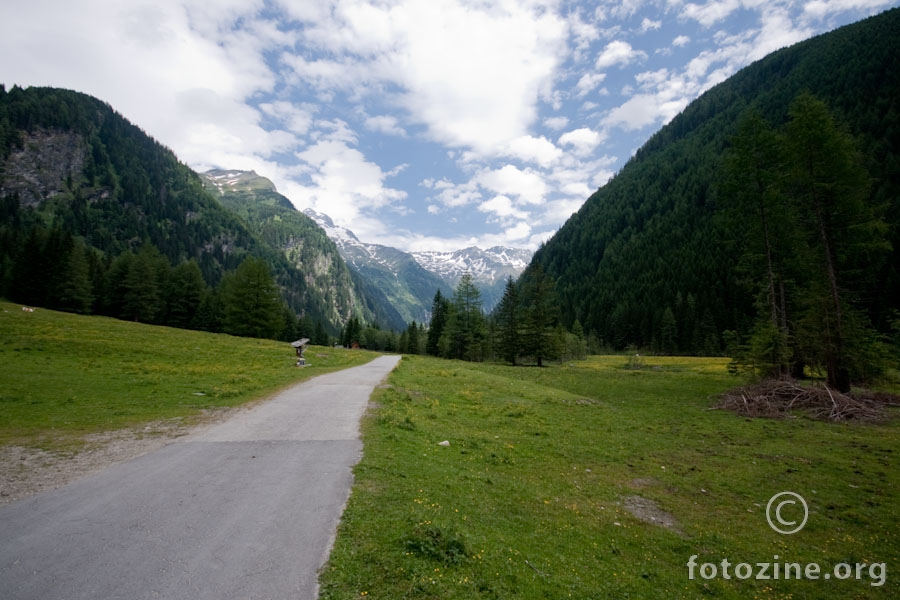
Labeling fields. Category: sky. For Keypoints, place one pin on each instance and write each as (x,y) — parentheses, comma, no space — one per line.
(419,124)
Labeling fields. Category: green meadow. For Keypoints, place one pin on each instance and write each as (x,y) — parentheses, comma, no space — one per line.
(593,480)
(64,377)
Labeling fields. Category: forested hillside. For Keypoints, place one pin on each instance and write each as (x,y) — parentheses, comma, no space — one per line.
(85,196)
(649,261)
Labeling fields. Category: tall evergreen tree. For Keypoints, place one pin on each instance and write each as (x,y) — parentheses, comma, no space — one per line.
(466,327)
(757,210)
(508,315)
(440,308)
(74,292)
(143,300)
(540,314)
(252,301)
(184,292)
(829,187)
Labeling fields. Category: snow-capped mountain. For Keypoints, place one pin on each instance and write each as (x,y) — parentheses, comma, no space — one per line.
(407,285)
(487,266)
(490,267)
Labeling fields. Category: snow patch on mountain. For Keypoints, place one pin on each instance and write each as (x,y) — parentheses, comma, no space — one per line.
(487,266)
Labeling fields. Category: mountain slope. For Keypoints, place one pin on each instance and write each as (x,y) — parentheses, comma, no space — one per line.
(334,291)
(410,279)
(68,160)
(647,247)
(404,283)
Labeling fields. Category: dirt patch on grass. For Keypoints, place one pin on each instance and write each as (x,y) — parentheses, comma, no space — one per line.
(27,471)
(648,511)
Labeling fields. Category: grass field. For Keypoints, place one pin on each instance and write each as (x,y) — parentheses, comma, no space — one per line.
(63,377)
(553,478)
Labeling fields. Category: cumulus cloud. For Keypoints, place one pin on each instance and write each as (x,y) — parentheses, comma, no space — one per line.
(502,207)
(618,53)
(650,25)
(525,184)
(588,83)
(472,76)
(583,140)
(536,150)
(712,12)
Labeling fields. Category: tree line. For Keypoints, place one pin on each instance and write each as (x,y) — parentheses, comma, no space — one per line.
(52,268)
(524,327)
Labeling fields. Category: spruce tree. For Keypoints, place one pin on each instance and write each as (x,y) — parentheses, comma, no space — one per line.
(508,315)
(541,311)
(252,301)
(466,325)
(440,308)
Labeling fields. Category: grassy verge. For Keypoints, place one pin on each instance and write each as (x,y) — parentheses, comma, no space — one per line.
(553,478)
(64,376)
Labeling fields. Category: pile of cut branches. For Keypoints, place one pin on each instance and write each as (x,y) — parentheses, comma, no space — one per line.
(778,398)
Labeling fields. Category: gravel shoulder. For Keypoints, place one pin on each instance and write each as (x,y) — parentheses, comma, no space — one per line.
(28,471)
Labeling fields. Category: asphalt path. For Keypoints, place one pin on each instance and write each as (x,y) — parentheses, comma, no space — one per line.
(244,509)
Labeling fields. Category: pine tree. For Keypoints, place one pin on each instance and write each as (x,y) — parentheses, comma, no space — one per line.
(184,292)
(74,293)
(508,315)
(540,313)
(440,308)
(252,301)
(143,297)
(466,325)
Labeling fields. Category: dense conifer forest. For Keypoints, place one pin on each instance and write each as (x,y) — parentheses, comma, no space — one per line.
(650,259)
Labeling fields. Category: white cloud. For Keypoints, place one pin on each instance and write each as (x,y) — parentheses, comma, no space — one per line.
(649,25)
(642,110)
(344,185)
(479,94)
(556,123)
(589,82)
(819,9)
(527,185)
(712,12)
(583,140)
(537,150)
(618,53)
(294,118)
(502,207)
(453,195)
(385,124)
(681,41)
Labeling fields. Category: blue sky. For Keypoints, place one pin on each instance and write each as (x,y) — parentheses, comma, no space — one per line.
(421,124)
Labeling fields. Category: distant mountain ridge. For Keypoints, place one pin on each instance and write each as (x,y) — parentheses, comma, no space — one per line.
(427,272)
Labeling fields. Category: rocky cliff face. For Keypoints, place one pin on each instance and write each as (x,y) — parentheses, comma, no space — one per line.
(42,167)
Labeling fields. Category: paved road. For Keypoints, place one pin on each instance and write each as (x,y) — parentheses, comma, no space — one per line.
(246,509)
